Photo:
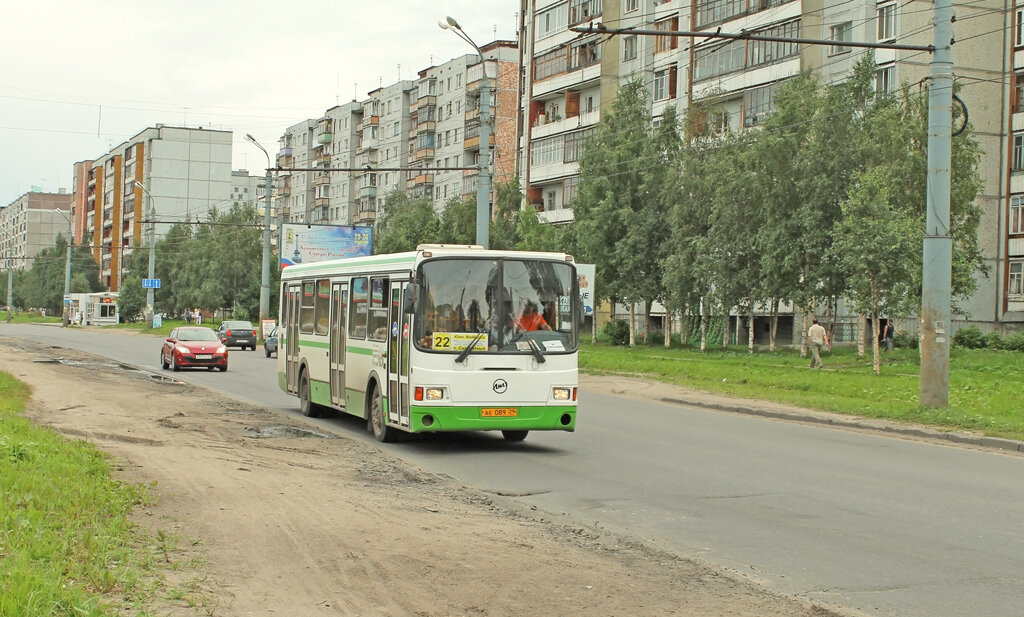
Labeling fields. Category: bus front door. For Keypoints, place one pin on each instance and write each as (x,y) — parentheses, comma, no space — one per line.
(398,359)
(291,352)
(339,308)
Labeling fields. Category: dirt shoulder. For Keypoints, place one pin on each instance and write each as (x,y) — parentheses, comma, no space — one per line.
(269,518)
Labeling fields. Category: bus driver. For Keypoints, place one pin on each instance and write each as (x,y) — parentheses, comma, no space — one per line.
(531,320)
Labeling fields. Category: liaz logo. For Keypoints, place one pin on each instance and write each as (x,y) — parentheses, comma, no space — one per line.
(500,385)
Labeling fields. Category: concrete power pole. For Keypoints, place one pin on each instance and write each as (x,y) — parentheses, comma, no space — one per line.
(938,245)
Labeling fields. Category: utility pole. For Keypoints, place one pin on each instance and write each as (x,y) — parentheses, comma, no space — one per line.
(67,273)
(483,180)
(265,273)
(937,253)
(150,292)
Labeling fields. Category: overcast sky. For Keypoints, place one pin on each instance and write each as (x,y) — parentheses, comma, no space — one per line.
(79,77)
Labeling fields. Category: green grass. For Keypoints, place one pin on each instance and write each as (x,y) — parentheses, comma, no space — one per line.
(986,388)
(67,546)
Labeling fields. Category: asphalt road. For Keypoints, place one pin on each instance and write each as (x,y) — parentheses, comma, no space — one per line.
(871,522)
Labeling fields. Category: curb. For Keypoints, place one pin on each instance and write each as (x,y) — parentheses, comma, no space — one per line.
(997,443)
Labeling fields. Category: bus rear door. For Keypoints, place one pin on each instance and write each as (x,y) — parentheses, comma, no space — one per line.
(398,359)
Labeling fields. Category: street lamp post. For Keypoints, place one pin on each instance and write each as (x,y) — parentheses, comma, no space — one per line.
(150,292)
(10,274)
(483,187)
(265,274)
(67,272)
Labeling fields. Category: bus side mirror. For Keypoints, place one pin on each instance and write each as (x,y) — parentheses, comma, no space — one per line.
(412,290)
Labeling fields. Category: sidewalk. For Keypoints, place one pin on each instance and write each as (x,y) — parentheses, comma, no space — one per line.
(655,391)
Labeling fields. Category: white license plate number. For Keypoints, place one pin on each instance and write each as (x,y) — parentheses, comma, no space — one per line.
(204,356)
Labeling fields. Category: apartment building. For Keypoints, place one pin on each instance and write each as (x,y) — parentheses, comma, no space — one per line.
(183,173)
(32,223)
(569,79)
(398,138)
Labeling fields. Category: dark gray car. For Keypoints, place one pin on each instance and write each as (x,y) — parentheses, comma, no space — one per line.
(237,334)
(270,343)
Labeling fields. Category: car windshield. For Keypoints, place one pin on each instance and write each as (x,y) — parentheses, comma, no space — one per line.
(509,305)
(197,334)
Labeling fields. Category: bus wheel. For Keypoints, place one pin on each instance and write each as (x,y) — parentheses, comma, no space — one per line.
(378,423)
(514,435)
(306,404)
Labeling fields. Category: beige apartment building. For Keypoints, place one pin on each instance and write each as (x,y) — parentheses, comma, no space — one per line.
(184,171)
(569,79)
(338,169)
(30,224)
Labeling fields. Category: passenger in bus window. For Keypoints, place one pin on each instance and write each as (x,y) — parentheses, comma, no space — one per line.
(531,320)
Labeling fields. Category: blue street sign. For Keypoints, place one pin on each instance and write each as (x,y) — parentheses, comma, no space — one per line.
(151,283)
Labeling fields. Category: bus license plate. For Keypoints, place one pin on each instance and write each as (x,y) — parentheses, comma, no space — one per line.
(499,412)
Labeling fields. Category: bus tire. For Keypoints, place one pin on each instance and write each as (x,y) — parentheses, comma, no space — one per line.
(377,420)
(514,435)
(306,404)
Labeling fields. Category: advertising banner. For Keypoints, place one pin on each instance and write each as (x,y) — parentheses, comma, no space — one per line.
(586,274)
(301,243)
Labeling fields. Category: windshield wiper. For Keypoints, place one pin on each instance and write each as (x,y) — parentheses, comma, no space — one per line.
(465,352)
(535,349)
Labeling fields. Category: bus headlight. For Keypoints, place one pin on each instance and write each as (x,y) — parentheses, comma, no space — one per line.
(561,394)
(434,394)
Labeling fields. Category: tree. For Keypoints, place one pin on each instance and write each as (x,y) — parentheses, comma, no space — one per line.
(404,223)
(618,210)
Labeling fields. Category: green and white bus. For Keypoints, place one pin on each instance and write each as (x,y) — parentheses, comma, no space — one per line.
(434,340)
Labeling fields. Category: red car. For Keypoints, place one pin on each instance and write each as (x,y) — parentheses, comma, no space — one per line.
(194,346)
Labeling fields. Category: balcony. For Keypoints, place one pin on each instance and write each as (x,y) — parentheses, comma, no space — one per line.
(420,180)
(422,154)
(368,122)
(428,100)
(367,145)
(473,143)
(367,191)
(324,138)
(284,152)
(321,202)
(323,160)
(321,179)
(285,160)
(284,191)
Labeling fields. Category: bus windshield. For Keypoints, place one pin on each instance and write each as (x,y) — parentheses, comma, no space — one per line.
(502,305)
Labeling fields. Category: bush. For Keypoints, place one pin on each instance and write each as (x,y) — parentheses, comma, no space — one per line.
(969,338)
(656,337)
(993,341)
(617,331)
(1014,342)
(907,341)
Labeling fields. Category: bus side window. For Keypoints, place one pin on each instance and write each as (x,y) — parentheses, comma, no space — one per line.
(306,308)
(358,308)
(379,292)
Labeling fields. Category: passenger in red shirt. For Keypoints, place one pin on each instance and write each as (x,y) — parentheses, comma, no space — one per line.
(531,320)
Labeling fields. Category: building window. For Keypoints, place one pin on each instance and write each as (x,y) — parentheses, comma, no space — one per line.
(766,52)
(632,5)
(665,84)
(551,21)
(666,43)
(1018,152)
(629,47)
(549,200)
(569,191)
(756,103)
(885,80)
(573,145)
(1017,214)
(582,10)
(546,151)
(550,64)
(841,34)
(1018,28)
(1018,93)
(1016,286)
(887,22)
(711,11)
(584,54)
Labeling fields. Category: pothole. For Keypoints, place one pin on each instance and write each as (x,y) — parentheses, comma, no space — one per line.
(287,432)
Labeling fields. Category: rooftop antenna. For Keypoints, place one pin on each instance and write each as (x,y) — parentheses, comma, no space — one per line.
(355,88)
(399,71)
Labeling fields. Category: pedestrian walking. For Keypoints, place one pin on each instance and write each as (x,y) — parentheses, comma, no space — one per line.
(199,317)
(818,338)
(188,316)
(890,335)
